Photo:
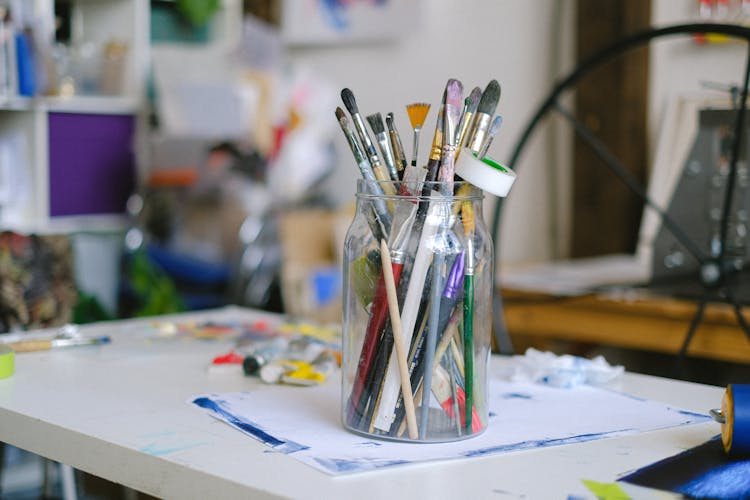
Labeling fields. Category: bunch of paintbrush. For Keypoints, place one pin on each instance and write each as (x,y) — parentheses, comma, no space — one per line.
(417,343)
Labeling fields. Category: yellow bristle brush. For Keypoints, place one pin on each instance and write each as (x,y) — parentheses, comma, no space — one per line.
(467,213)
(417,114)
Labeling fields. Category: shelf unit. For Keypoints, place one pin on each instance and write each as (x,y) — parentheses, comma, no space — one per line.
(65,156)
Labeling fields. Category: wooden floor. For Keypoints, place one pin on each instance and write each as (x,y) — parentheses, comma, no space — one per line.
(643,322)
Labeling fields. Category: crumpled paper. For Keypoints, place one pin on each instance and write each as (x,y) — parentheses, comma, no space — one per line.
(560,370)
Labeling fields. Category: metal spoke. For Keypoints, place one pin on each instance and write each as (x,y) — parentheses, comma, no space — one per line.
(693,326)
(738,312)
(630,181)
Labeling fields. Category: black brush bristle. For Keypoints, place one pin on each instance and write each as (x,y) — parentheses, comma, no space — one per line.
(348,97)
(474,97)
(490,97)
(376,123)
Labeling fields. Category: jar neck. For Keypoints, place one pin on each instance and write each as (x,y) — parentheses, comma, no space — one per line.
(417,192)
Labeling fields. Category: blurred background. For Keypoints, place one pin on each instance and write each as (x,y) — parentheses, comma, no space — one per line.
(167,141)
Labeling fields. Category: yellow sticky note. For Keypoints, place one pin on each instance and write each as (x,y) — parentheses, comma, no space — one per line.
(606,491)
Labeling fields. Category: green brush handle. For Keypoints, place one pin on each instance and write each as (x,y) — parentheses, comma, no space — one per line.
(469,348)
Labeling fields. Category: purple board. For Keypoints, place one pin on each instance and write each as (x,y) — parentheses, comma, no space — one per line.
(91,163)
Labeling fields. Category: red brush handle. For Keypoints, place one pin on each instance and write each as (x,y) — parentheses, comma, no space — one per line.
(369,347)
(447,405)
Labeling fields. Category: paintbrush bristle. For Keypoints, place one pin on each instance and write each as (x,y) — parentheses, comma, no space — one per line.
(417,113)
(454,97)
(473,100)
(467,214)
(496,125)
(490,97)
(348,97)
(376,123)
(340,113)
(453,109)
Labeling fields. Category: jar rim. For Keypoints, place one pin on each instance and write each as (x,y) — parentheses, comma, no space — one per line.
(364,190)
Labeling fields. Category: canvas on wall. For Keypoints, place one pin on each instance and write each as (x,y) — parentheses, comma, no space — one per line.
(310,22)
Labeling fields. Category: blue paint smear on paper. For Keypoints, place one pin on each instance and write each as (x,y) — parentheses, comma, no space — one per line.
(369,444)
(248,427)
(699,416)
(157,451)
(516,395)
(624,394)
(356,465)
(525,445)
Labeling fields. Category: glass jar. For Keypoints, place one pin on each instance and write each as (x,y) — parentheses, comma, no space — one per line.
(435,251)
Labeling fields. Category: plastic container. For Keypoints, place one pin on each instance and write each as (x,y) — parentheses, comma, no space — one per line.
(440,255)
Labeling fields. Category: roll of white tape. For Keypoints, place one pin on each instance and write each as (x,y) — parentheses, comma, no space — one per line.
(7,361)
(486,174)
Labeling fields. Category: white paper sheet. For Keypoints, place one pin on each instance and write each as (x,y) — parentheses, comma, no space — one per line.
(306,424)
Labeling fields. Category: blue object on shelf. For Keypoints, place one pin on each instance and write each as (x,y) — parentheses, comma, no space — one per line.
(25,65)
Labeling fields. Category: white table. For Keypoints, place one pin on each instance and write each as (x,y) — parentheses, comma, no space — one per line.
(119,411)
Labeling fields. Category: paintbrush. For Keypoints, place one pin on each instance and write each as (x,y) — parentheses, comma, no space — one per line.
(467,215)
(54,343)
(372,156)
(373,185)
(396,146)
(494,128)
(452,98)
(416,283)
(378,128)
(485,110)
(398,341)
(467,120)
(469,328)
(454,393)
(417,114)
(451,116)
(416,269)
(478,132)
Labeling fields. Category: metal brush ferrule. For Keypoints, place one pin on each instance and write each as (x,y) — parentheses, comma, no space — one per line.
(437,145)
(466,123)
(469,264)
(437,140)
(388,158)
(372,155)
(397,256)
(478,135)
(356,150)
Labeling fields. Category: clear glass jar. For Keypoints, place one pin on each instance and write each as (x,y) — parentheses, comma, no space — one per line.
(440,255)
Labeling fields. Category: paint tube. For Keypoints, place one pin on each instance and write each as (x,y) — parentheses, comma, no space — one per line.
(263,354)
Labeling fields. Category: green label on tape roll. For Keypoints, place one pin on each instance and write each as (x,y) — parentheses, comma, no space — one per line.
(493,164)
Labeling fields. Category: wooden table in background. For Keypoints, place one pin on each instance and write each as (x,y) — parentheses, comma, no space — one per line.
(653,323)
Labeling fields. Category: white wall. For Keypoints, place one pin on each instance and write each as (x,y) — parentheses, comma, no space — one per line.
(516,42)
